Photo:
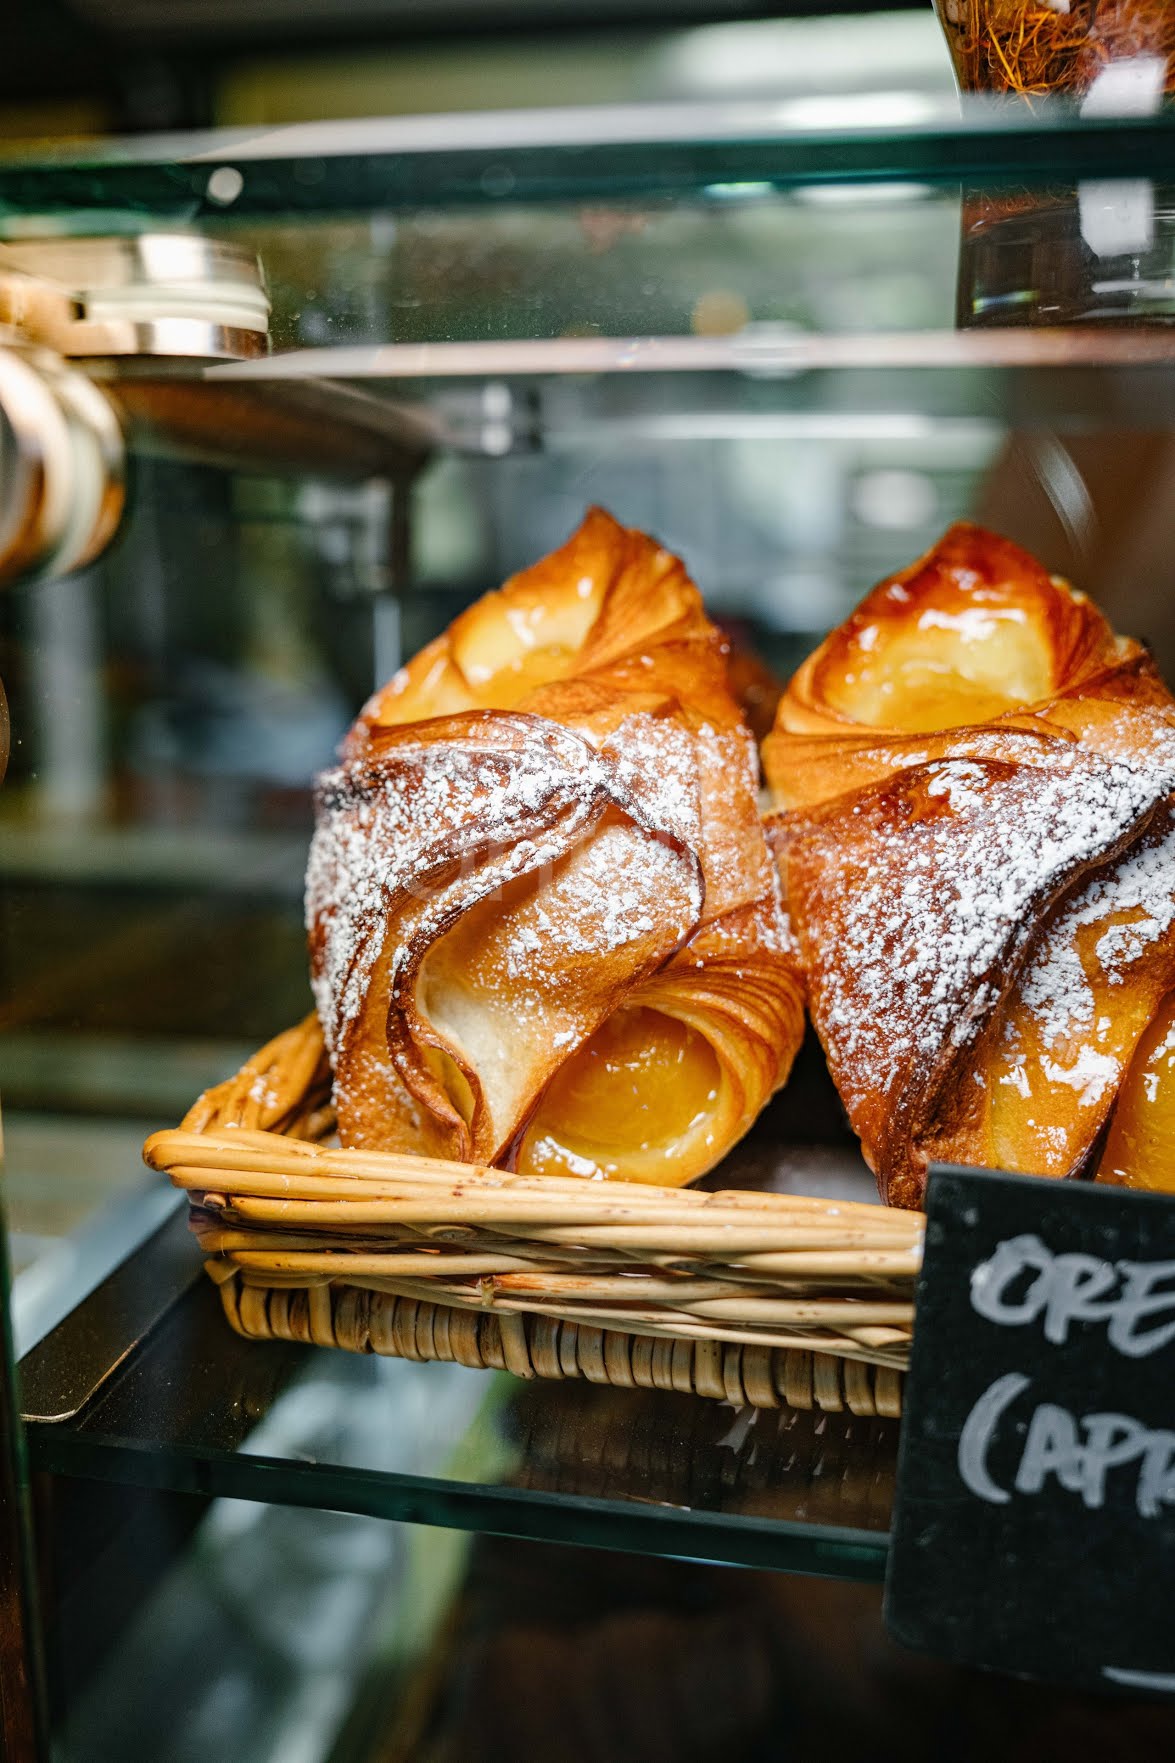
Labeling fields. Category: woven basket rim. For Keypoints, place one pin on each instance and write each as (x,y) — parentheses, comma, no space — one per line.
(730,1275)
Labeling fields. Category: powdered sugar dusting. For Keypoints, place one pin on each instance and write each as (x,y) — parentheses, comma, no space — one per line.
(1138,890)
(941,898)
(1091,1074)
(653,763)
(604,902)
(386,826)
(1163,1054)
(449,823)
(1016,1078)
(960,781)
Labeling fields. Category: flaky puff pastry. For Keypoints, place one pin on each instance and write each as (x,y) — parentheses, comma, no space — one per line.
(545,924)
(978,850)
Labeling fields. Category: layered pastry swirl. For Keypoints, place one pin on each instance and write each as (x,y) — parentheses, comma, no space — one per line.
(545,924)
(978,848)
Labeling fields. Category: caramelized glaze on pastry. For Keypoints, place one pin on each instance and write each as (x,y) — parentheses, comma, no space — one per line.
(545,924)
(978,850)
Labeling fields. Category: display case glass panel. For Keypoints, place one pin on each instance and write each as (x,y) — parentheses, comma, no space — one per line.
(792,341)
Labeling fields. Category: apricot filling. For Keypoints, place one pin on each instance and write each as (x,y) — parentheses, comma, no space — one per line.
(640,1088)
(1140,1149)
(949,670)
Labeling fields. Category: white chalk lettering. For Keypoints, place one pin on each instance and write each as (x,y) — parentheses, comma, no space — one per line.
(1139,1301)
(991,1280)
(1051,1448)
(1156,1482)
(1025,1282)
(1110,1440)
(1077,1452)
(976,1437)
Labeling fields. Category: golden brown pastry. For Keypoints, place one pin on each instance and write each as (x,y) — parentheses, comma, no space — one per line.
(978,852)
(545,924)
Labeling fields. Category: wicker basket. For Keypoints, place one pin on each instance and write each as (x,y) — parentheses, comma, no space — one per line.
(760,1299)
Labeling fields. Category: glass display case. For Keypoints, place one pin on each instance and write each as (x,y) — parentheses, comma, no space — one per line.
(322,386)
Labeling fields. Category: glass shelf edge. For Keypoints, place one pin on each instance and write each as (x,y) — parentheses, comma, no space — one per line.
(734,1540)
(625,151)
(765,355)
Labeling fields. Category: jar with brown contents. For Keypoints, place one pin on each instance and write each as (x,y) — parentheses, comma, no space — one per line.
(1030,47)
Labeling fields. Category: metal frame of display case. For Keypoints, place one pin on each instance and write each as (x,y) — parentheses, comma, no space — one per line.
(23,1714)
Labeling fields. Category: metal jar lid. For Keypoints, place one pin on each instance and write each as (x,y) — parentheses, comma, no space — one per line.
(62,466)
(173,295)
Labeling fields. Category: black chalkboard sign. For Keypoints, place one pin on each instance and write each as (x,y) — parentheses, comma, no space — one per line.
(1034,1530)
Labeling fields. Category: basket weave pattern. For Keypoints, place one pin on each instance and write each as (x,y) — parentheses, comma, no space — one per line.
(759,1299)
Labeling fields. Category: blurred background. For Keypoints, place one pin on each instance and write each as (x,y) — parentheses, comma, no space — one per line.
(84,67)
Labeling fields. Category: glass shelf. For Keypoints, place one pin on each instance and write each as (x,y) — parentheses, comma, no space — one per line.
(618,152)
(156,1391)
(483,284)
(590,395)
(769,353)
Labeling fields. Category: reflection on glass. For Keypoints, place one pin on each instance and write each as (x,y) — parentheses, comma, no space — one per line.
(1098,252)
(666,1450)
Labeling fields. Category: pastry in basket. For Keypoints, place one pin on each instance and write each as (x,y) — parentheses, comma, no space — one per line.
(544,920)
(978,851)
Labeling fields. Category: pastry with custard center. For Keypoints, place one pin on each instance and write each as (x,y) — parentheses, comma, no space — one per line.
(545,926)
(976,836)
